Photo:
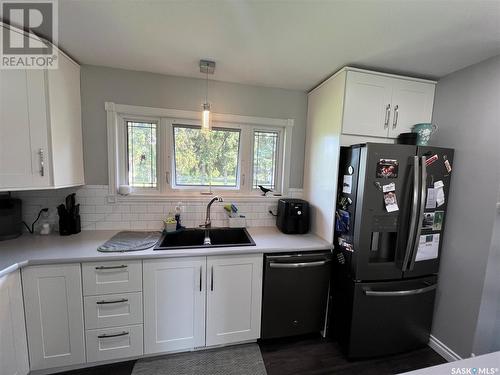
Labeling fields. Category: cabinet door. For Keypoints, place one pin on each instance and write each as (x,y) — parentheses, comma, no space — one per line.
(54,315)
(412,104)
(66,123)
(234,297)
(23,129)
(13,345)
(367,104)
(174,304)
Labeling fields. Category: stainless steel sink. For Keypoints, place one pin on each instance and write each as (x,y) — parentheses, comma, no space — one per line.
(193,238)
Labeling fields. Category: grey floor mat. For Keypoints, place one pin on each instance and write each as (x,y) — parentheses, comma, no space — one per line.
(130,241)
(234,360)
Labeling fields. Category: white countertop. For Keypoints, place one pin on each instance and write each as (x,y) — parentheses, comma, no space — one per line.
(82,247)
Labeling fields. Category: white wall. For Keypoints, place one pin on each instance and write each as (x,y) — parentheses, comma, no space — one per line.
(101,84)
(467,112)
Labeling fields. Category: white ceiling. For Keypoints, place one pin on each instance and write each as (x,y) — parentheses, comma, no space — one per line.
(291,44)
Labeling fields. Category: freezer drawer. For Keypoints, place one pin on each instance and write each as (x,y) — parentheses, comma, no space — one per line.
(295,294)
(389,317)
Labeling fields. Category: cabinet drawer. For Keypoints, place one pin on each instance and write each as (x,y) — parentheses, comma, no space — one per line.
(114,343)
(112,277)
(113,310)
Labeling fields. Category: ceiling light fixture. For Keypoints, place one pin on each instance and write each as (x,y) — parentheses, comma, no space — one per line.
(207,67)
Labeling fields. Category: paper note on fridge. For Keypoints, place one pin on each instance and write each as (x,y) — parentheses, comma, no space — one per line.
(438,188)
(428,247)
(347,184)
(431,198)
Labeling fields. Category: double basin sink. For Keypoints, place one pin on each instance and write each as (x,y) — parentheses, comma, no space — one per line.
(196,238)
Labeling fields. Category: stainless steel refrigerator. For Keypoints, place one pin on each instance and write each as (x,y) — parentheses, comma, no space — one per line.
(390,219)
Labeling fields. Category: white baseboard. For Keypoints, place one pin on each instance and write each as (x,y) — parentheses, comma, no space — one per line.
(445,352)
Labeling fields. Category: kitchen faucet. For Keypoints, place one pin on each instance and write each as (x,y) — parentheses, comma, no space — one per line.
(208,221)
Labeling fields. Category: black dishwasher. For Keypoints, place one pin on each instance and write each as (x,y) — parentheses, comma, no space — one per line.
(295,293)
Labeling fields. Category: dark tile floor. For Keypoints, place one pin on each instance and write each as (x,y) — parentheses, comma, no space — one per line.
(308,355)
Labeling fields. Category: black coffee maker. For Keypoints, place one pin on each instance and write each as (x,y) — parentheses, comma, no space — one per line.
(11,221)
(293,216)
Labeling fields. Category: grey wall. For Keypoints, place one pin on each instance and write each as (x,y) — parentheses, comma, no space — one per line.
(100,84)
(467,112)
(488,325)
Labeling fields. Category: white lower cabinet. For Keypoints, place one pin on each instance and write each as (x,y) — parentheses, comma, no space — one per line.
(54,315)
(174,304)
(113,343)
(112,310)
(13,345)
(168,305)
(183,296)
(234,298)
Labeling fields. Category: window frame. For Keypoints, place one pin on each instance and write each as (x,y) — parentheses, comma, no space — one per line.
(171,153)
(123,153)
(278,173)
(165,120)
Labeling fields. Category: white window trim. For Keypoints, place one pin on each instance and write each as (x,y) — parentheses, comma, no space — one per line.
(116,113)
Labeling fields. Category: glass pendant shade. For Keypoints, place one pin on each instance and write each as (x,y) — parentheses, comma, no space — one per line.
(206,120)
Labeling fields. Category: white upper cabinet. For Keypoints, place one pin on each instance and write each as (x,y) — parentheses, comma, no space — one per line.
(54,315)
(23,130)
(412,104)
(174,304)
(66,123)
(367,104)
(381,105)
(13,345)
(234,298)
(40,127)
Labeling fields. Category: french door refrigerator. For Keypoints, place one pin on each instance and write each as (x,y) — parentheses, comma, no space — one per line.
(390,217)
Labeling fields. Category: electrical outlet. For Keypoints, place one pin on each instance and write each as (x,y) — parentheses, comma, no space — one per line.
(273,209)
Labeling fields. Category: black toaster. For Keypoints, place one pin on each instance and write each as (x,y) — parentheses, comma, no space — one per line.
(293,216)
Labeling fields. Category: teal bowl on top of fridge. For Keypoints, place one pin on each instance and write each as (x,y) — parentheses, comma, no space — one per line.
(424,131)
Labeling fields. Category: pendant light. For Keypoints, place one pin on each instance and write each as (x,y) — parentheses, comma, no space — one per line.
(207,67)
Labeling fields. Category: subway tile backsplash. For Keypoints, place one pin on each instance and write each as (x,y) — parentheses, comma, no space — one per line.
(98,214)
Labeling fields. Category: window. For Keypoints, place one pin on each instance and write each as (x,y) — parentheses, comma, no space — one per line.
(206,158)
(265,154)
(164,152)
(141,154)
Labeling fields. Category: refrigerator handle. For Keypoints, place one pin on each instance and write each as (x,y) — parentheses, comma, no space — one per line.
(414,213)
(423,198)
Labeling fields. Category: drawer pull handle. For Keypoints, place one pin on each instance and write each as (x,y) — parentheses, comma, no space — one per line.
(113,335)
(111,267)
(114,301)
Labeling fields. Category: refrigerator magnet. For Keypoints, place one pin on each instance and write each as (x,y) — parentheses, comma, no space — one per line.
(431,160)
(447,165)
(428,221)
(439,189)
(390,200)
(347,184)
(438,220)
(431,198)
(389,187)
(350,169)
(387,168)
(391,203)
